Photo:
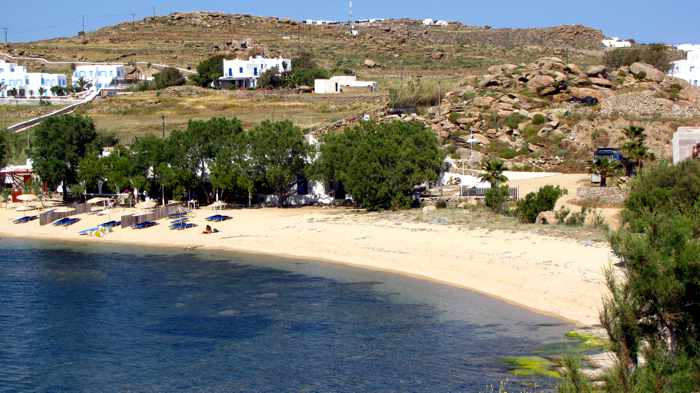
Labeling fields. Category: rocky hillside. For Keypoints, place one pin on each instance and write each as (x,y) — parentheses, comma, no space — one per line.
(551,115)
(184,39)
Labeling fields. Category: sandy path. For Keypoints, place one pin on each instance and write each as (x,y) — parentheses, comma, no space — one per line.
(555,276)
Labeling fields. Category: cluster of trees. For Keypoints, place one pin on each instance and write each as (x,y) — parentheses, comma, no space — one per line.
(657,55)
(379,164)
(653,310)
(166,78)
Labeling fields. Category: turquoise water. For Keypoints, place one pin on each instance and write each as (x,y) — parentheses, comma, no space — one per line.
(81,319)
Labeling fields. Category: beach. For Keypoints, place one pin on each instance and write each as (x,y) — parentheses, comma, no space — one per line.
(555,276)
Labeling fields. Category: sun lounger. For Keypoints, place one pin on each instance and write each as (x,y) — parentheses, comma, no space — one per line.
(178,215)
(24,220)
(218,218)
(111,224)
(66,222)
(181,226)
(89,231)
(144,225)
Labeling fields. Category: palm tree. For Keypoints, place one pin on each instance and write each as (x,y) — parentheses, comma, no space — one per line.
(82,84)
(42,91)
(605,168)
(3,87)
(494,172)
(635,148)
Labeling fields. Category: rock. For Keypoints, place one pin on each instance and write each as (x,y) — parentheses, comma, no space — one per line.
(601,82)
(540,82)
(574,69)
(488,81)
(369,63)
(547,91)
(429,209)
(483,101)
(596,70)
(437,56)
(647,71)
(583,92)
(547,218)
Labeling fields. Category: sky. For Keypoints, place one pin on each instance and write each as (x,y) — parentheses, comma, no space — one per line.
(669,21)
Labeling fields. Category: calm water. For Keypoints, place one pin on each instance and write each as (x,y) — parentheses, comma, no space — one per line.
(80,319)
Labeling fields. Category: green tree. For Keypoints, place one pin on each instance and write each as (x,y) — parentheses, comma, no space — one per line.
(279,151)
(605,168)
(168,77)
(653,309)
(493,172)
(153,158)
(233,167)
(635,147)
(380,164)
(208,71)
(271,79)
(82,84)
(4,148)
(59,144)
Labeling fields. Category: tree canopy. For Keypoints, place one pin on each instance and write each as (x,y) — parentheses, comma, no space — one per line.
(168,77)
(380,164)
(208,71)
(59,144)
(4,148)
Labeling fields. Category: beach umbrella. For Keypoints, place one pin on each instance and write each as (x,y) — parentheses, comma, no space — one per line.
(64,209)
(217,205)
(95,201)
(27,197)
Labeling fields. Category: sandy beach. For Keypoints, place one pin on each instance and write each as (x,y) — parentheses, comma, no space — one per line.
(552,275)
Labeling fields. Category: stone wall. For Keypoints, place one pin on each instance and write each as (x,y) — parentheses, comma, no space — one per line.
(602,195)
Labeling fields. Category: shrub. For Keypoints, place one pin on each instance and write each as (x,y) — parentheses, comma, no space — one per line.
(168,77)
(577,219)
(539,119)
(537,202)
(271,79)
(441,204)
(415,94)
(513,120)
(496,198)
(562,214)
(208,71)
(654,54)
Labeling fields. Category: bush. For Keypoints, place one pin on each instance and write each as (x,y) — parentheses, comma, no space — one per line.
(539,119)
(577,219)
(496,198)
(513,120)
(537,202)
(655,54)
(270,79)
(168,77)
(415,94)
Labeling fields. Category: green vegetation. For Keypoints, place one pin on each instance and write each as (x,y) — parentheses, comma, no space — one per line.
(60,142)
(531,366)
(497,196)
(415,94)
(655,54)
(208,71)
(653,309)
(535,203)
(588,341)
(168,77)
(380,164)
(574,380)
(606,168)
(4,148)
(635,147)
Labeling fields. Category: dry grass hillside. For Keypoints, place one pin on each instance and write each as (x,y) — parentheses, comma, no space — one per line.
(184,39)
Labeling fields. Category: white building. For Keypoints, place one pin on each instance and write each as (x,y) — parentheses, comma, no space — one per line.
(616,42)
(435,22)
(99,76)
(244,74)
(340,84)
(688,69)
(686,144)
(16,81)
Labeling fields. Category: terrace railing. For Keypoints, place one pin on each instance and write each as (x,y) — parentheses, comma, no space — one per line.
(51,215)
(474,192)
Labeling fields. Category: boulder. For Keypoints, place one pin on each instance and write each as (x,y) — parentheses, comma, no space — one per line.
(437,56)
(547,218)
(601,82)
(540,82)
(369,63)
(429,209)
(483,101)
(596,70)
(488,81)
(583,92)
(647,71)
(574,69)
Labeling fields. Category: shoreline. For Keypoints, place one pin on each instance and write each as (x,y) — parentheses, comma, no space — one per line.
(538,286)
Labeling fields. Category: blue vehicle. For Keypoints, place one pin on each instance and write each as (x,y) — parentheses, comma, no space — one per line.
(218,218)
(25,219)
(612,154)
(144,225)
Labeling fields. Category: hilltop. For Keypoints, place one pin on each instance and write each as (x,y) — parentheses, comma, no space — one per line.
(184,39)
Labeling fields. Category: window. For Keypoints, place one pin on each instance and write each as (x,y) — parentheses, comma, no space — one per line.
(230,72)
(692,68)
(241,70)
(255,71)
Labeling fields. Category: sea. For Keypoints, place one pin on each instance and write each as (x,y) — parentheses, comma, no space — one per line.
(107,318)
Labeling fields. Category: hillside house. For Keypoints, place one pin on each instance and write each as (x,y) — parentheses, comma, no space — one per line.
(435,22)
(688,69)
(616,42)
(99,76)
(17,82)
(686,144)
(244,74)
(341,84)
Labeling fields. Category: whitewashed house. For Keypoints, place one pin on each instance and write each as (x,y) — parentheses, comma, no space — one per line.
(616,42)
(435,22)
(688,69)
(244,74)
(340,84)
(16,81)
(99,76)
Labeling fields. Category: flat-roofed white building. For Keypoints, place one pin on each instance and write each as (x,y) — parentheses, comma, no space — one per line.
(244,74)
(99,76)
(686,144)
(616,42)
(688,69)
(15,81)
(340,84)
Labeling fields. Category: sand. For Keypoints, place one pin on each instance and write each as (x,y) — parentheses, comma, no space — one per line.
(554,276)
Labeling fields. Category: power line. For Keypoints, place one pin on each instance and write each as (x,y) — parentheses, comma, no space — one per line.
(4,29)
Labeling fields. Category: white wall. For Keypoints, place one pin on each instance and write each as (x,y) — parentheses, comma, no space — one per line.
(99,75)
(16,76)
(253,68)
(688,69)
(336,84)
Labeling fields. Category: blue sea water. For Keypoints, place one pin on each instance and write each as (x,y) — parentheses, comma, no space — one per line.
(83,319)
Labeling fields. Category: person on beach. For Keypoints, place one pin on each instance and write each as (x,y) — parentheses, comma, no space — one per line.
(208,230)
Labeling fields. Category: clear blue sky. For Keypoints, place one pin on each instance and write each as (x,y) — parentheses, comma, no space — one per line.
(670,21)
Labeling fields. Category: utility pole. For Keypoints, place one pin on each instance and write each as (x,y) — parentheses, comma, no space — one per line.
(163,119)
(4,29)
(133,18)
(83,30)
(154,12)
